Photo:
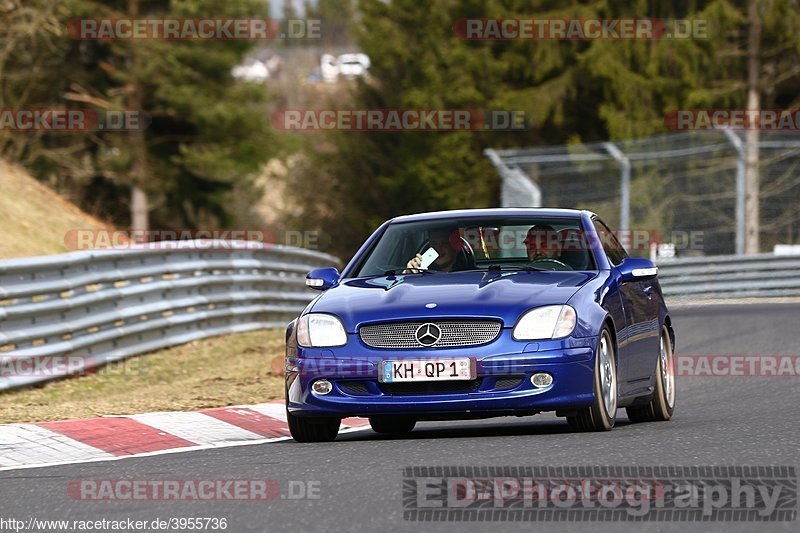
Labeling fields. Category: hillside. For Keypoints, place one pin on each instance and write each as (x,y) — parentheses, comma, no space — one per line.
(33,218)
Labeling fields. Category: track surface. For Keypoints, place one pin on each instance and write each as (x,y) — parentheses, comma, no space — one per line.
(718,421)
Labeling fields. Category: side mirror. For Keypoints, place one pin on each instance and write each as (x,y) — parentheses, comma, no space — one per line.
(322,278)
(634,268)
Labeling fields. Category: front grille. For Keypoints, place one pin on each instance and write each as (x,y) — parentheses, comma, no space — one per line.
(453,333)
(354,387)
(509,382)
(431,387)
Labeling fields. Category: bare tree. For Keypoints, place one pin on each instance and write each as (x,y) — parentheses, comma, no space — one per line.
(140,220)
(751,207)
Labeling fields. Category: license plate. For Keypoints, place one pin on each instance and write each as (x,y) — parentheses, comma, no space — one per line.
(427,370)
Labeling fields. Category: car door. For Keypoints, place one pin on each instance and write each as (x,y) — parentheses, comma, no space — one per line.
(637,298)
(645,298)
(635,340)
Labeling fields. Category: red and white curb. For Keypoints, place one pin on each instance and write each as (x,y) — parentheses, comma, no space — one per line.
(110,438)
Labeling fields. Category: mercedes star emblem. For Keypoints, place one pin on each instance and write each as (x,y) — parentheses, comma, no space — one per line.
(428,334)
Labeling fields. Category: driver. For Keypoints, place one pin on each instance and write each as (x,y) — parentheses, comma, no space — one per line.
(447,244)
(544,246)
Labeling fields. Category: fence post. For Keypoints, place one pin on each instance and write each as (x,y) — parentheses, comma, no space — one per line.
(526,192)
(740,186)
(625,185)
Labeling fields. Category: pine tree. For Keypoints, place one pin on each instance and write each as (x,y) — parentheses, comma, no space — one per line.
(205,135)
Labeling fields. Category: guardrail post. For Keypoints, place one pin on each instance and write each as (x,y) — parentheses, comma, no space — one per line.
(625,185)
(532,196)
(741,161)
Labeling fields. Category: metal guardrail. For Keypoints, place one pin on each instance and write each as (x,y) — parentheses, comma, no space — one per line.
(102,306)
(758,276)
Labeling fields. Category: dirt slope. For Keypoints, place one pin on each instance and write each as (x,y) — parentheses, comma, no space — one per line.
(33,218)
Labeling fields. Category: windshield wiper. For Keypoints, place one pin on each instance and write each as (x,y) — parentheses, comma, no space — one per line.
(527,268)
(415,271)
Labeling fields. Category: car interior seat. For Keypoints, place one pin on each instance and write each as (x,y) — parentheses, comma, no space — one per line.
(574,249)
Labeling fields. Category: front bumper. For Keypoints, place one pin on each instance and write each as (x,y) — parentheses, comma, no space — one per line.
(500,363)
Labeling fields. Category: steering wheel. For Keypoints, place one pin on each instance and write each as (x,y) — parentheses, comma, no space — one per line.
(555,264)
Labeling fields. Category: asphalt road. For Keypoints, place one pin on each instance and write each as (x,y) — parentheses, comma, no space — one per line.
(718,421)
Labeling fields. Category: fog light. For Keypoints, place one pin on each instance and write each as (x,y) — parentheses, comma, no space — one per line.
(542,379)
(322,386)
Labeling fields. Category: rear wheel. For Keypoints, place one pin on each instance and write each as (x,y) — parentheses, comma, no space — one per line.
(601,415)
(309,429)
(392,424)
(662,405)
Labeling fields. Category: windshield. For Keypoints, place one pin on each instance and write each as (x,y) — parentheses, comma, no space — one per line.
(441,246)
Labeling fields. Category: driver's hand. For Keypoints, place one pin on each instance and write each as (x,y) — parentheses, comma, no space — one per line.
(413,264)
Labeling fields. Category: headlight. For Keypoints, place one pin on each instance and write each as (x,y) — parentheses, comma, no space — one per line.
(548,322)
(320,330)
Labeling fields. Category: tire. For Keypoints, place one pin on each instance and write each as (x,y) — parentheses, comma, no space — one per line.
(307,429)
(392,424)
(602,414)
(662,405)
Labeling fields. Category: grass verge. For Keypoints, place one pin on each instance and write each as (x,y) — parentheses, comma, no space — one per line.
(215,372)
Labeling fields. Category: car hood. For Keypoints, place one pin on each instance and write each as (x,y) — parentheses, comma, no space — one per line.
(499,295)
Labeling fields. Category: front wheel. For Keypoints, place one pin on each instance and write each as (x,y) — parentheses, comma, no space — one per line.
(662,405)
(392,424)
(602,414)
(309,429)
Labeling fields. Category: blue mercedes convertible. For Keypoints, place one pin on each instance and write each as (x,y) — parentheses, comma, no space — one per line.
(482,313)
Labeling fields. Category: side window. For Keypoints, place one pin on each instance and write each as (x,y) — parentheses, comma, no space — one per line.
(614,250)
